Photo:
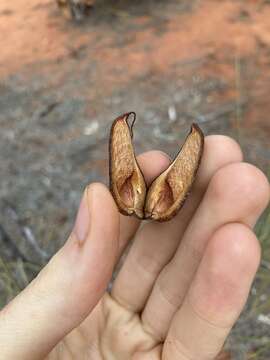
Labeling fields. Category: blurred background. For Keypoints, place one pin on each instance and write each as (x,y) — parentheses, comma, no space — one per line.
(62,82)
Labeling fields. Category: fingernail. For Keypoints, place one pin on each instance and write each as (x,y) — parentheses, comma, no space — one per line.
(82,222)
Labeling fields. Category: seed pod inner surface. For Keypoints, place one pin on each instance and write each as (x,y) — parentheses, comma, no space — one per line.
(127,182)
(168,192)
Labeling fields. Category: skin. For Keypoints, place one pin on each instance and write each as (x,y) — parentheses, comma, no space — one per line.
(180,290)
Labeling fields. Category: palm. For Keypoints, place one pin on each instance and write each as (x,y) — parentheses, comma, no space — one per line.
(110,329)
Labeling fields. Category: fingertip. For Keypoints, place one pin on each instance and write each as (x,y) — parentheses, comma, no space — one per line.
(153,163)
(242,184)
(101,193)
(237,244)
(102,207)
(219,151)
(224,147)
(224,277)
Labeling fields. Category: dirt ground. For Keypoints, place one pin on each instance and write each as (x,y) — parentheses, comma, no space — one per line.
(62,83)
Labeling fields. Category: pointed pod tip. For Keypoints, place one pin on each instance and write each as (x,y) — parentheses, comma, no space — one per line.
(124,118)
(195,128)
(127,118)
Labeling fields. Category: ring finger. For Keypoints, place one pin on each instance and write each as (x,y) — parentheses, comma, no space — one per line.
(237,193)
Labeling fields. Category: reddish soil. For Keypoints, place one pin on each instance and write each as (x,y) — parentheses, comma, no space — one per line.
(123,44)
(35,33)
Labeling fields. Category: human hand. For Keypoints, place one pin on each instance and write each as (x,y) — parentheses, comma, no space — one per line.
(181,288)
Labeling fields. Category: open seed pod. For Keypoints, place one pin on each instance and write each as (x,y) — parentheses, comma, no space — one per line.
(126,180)
(168,191)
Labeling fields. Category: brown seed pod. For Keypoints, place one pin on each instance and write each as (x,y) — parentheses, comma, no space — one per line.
(126,179)
(167,193)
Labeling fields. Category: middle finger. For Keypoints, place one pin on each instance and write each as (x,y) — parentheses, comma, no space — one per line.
(155,243)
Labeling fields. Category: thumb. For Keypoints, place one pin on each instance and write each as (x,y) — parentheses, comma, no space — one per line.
(69,287)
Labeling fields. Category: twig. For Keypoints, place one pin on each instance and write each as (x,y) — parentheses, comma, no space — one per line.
(20,235)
